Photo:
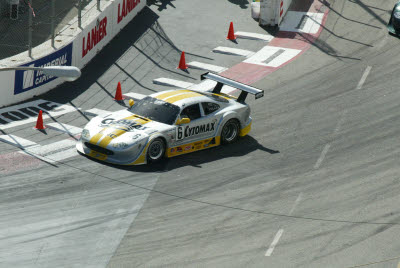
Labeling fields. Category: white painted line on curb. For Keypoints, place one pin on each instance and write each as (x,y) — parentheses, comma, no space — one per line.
(274,243)
(270,56)
(205,66)
(54,152)
(17,141)
(322,156)
(133,95)
(233,51)
(172,82)
(208,85)
(305,22)
(71,130)
(96,112)
(364,77)
(254,36)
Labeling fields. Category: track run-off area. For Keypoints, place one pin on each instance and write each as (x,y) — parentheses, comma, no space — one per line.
(315,184)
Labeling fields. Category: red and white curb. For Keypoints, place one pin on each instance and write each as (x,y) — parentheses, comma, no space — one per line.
(299,29)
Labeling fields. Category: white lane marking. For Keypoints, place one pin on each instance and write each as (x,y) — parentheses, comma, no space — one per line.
(17,141)
(322,156)
(254,36)
(233,51)
(274,243)
(172,82)
(208,85)
(27,112)
(205,66)
(53,152)
(133,95)
(96,112)
(305,22)
(272,56)
(298,199)
(71,130)
(280,231)
(340,122)
(364,77)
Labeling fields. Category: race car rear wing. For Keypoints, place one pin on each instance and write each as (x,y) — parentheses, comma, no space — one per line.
(229,82)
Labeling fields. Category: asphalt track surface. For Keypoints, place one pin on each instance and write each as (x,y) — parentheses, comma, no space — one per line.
(317,180)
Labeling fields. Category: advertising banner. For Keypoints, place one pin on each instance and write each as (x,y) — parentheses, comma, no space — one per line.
(124,12)
(94,37)
(28,80)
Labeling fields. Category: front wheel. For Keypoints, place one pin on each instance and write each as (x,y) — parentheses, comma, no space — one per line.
(230,131)
(156,150)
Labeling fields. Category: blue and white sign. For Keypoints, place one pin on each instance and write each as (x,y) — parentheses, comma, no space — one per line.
(27,80)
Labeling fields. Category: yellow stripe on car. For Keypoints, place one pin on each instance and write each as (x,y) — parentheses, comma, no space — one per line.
(182,97)
(95,139)
(165,95)
(109,137)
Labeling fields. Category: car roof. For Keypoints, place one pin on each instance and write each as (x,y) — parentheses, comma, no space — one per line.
(185,97)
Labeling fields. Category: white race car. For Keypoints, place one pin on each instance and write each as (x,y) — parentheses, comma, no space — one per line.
(169,123)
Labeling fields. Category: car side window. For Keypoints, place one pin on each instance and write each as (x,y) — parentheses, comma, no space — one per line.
(209,107)
(192,112)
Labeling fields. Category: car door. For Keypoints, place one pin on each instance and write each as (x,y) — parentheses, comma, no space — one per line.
(200,127)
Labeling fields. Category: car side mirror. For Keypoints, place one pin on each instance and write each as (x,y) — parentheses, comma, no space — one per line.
(131,102)
(182,121)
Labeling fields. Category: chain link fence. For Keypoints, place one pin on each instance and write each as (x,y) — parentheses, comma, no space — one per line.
(25,24)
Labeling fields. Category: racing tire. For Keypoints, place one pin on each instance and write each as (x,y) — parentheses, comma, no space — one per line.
(230,131)
(156,150)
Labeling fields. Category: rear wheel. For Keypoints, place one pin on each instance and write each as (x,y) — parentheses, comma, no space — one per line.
(230,131)
(156,150)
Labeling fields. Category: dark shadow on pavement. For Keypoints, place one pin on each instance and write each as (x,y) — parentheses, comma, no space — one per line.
(135,35)
(241,3)
(240,148)
(161,4)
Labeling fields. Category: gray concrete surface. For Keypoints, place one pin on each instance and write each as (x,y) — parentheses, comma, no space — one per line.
(321,163)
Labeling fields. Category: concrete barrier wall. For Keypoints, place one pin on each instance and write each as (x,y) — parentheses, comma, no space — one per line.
(73,46)
(272,12)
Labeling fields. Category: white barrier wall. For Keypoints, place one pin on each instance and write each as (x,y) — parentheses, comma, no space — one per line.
(74,47)
(124,11)
(272,12)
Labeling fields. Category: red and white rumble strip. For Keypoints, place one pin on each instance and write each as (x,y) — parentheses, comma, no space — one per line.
(300,28)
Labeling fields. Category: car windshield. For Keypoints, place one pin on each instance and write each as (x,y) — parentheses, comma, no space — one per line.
(156,110)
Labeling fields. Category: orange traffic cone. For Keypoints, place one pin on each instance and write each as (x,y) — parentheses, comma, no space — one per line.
(231,33)
(182,62)
(118,93)
(39,122)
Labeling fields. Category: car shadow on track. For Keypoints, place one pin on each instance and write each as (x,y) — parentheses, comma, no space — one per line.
(240,148)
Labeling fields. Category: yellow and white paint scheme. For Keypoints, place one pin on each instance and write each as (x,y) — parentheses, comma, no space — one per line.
(111,139)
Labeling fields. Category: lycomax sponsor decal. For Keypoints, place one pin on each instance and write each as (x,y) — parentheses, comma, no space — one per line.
(94,36)
(127,7)
(188,131)
(27,80)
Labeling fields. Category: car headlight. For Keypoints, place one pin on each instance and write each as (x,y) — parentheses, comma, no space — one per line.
(120,145)
(396,14)
(85,134)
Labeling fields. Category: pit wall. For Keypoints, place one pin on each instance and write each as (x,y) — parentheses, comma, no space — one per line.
(272,12)
(73,46)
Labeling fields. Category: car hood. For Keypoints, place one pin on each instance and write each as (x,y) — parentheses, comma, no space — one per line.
(121,129)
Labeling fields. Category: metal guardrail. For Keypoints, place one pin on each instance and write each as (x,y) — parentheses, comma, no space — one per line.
(25,24)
